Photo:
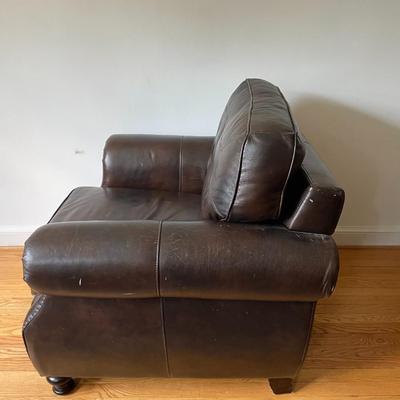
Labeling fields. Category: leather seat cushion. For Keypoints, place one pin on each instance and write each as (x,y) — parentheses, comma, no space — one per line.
(96,204)
(255,151)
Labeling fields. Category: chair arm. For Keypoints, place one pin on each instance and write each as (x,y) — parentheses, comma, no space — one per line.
(219,260)
(199,259)
(320,199)
(93,259)
(158,162)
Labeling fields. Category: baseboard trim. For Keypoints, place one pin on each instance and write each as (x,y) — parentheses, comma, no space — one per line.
(367,236)
(15,235)
(344,235)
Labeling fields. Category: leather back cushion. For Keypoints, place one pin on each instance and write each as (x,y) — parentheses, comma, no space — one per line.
(255,151)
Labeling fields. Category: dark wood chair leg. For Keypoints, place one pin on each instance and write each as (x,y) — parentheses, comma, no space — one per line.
(61,385)
(281,385)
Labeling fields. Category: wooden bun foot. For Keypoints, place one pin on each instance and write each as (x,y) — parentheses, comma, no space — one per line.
(281,385)
(61,385)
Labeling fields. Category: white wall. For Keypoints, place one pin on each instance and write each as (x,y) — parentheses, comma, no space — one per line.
(74,71)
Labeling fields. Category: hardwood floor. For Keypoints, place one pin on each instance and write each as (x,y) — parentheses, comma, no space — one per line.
(354,351)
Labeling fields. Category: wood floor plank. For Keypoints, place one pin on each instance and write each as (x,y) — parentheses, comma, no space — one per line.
(354,351)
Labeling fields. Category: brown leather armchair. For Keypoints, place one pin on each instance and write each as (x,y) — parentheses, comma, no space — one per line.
(198,256)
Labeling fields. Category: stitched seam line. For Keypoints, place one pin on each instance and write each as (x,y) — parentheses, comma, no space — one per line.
(287,177)
(164,337)
(35,311)
(228,217)
(293,155)
(37,308)
(158,259)
(180,165)
(59,207)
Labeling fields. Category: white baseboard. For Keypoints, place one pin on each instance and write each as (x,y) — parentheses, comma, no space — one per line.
(15,235)
(367,235)
(344,235)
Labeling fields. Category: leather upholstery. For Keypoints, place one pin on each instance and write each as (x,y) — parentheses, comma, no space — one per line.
(314,199)
(200,259)
(156,162)
(113,259)
(298,212)
(245,262)
(126,204)
(73,336)
(253,157)
(219,338)
(136,278)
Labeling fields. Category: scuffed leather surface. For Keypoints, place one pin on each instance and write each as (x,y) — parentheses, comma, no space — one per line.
(93,259)
(253,156)
(204,259)
(247,262)
(72,336)
(156,162)
(214,338)
(314,201)
(93,203)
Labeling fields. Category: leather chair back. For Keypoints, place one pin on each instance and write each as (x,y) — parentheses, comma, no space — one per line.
(256,149)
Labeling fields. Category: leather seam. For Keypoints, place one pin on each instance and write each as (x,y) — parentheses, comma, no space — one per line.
(34,312)
(158,291)
(295,135)
(161,299)
(36,309)
(164,336)
(59,207)
(228,217)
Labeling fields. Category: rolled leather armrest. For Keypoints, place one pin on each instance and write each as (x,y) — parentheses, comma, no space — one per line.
(199,259)
(321,200)
(157,162)
(93,259)
(245,262)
